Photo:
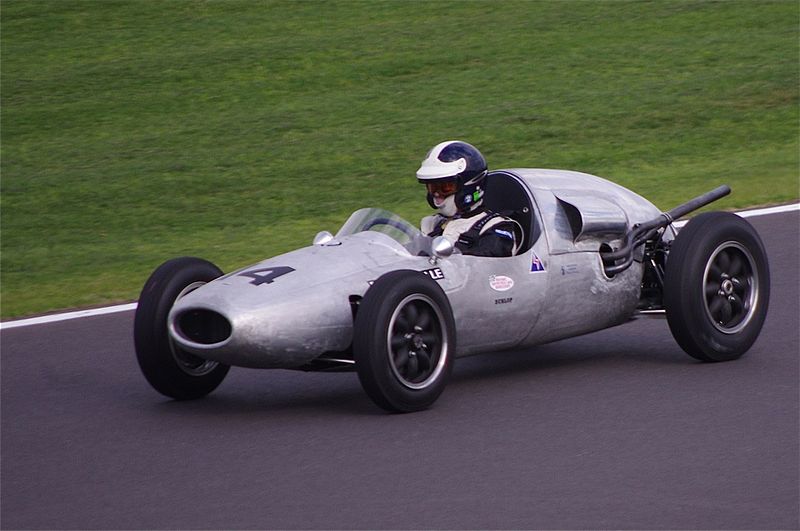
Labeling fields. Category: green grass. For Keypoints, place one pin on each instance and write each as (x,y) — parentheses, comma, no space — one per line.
(136,131)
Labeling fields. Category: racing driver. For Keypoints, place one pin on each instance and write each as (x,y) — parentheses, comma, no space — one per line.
(454,173)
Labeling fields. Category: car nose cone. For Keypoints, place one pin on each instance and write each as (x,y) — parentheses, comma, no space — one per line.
(202,327)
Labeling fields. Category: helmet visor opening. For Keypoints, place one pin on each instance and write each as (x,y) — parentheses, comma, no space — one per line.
(442,188)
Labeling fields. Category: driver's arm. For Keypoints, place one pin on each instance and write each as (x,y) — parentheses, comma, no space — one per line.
(429,224)
(497,241)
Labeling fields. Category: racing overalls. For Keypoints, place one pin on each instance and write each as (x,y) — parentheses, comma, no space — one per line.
(481,234)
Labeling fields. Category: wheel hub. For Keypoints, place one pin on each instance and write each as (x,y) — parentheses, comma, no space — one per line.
(727,287)
(731,287)
(417,342)
(414,340)
(417,348)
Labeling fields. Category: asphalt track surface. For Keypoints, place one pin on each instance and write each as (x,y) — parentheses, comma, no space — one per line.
(618,429)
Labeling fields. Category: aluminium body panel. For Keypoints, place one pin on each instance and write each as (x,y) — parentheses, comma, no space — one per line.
(287,310)
(290,309)
(580,297)
(601,203)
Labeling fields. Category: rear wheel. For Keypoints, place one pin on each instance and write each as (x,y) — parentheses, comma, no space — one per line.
(716,287)
(404,341)
(169,369)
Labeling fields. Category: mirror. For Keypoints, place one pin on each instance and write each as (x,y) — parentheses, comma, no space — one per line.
(323,237)
(441,247)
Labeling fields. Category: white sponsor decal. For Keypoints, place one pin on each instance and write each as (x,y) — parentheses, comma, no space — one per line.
(501,283)
(435,273)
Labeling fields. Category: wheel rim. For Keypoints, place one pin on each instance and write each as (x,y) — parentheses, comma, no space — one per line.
(730,286)
(189,363)
(417,341)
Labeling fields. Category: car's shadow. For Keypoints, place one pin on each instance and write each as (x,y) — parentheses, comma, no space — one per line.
(278,393)
(574,353)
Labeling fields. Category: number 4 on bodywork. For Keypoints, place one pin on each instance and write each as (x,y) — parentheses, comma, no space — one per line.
(266,275)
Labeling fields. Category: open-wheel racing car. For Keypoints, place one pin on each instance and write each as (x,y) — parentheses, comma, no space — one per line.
(398,307)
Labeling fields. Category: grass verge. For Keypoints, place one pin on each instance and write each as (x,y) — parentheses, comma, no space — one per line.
(133,132)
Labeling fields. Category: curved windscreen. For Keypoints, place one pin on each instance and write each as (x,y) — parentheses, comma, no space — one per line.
(380,220)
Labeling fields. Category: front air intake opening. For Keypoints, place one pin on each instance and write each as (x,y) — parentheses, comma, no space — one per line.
(205,327)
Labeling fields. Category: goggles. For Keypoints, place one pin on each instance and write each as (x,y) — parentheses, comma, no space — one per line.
(442,188)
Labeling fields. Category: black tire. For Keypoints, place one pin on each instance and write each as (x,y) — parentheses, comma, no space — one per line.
(716,286)
(404,341)
(171,371)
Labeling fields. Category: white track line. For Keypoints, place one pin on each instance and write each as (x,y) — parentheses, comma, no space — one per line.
(770,210)
(132,306)
(755,212)
(66,316)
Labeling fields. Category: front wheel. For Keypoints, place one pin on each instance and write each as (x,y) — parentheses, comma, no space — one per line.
(716,287)
(170,370)
(404,341)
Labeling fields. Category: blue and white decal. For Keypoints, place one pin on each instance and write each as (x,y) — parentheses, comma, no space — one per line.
(504,233)
(536,264)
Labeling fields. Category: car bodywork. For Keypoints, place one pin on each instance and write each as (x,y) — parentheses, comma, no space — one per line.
(297,310)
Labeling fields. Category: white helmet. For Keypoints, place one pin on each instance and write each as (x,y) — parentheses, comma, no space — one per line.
(453,172)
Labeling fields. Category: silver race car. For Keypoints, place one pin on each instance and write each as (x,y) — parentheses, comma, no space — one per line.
(399,307)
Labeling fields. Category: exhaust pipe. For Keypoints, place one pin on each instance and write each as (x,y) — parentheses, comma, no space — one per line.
(641,232)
